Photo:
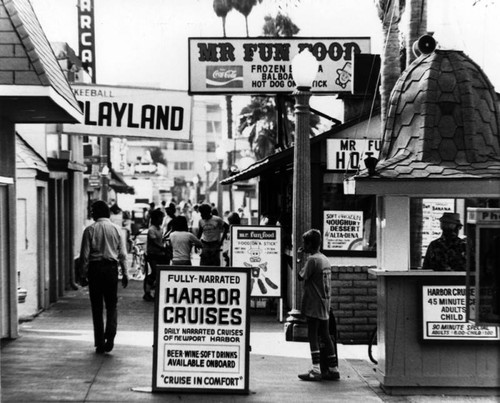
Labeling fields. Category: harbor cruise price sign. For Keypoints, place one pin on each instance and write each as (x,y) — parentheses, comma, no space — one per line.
(444,316)
(264,65)
(201,330)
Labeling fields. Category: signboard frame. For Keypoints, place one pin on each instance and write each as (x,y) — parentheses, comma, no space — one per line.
(132,112)
(239,65)
(259,275)
(350,219)
(459,327)
(242,377)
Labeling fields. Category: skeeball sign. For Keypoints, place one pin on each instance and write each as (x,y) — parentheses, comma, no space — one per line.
(259,249)
(201,330)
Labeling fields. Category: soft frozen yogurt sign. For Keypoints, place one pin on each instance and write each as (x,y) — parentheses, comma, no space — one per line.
(264,64)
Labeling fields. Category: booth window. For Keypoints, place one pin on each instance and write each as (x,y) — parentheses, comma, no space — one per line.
(425,226)
(349,223)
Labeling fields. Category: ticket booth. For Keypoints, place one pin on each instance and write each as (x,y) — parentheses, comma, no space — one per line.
(440,153)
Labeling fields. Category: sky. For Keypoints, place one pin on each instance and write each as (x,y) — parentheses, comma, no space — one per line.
(145,42)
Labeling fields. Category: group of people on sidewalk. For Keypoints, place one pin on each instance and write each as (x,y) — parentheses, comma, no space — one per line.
(103,252)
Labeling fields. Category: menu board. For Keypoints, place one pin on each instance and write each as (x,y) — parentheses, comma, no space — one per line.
(342,230)
(444,316)
(201,328)
(259,249)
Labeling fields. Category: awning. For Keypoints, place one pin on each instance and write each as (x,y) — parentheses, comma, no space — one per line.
(275,161)
(118,184)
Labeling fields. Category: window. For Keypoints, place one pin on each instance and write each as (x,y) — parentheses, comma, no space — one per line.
(211,146)
(349,223)
(178,145)
(214,119)
(214,127)
(183,166)
(425,225)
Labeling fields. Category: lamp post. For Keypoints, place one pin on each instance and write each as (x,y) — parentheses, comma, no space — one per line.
(208,168)
(220,154)
(304,70)
(196,184)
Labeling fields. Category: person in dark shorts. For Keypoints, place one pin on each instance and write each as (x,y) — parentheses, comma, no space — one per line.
(212,230)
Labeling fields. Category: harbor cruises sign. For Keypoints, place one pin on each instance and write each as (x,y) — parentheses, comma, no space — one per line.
(263,65)
(132,112)
(201,330)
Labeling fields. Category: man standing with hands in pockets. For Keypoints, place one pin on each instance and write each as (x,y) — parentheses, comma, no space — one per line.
(101,253)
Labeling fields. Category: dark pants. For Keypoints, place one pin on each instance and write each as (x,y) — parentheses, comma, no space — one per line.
(103,288)
(318,328)
(150,278)
(210,253)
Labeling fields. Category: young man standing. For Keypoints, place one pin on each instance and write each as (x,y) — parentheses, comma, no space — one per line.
(212,232)
(316,274)
(102,251)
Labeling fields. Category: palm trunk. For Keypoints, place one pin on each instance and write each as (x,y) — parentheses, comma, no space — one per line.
(417,26)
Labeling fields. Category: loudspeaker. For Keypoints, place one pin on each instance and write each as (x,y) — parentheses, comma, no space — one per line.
(424,45)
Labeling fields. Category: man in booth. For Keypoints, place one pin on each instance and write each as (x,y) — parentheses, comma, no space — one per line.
(447,253)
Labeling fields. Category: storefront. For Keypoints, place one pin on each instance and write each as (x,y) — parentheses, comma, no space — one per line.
(346,222)
(34,90)
(440,154)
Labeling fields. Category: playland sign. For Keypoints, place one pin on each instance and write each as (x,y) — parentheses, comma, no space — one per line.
(132,112)
(263,65)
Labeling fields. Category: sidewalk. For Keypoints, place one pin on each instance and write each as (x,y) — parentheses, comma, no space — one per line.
(54,360)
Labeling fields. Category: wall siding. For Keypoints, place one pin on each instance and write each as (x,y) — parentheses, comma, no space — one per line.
(354,303)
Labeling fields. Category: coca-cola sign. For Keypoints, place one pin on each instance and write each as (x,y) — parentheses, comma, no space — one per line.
(224,77)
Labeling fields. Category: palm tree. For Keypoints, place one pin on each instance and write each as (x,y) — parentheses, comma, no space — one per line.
(417,26)
(221,8)
(389,12)
(265,119)
(245,7)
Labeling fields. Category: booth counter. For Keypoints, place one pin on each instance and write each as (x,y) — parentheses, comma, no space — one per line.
(424,340)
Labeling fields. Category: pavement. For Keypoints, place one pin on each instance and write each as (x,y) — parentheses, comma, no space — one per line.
(54,360)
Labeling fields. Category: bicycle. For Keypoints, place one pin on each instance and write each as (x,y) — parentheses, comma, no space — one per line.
(138,265)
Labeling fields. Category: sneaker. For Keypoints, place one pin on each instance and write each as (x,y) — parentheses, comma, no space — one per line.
(330,376)
(108,346)
(311,376)
(99,350)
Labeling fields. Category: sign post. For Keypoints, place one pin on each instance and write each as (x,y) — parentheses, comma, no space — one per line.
(201,330)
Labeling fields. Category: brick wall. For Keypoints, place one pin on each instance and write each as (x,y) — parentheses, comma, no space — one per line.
(354,303)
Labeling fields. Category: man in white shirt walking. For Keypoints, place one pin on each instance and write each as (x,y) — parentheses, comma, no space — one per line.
(102,251)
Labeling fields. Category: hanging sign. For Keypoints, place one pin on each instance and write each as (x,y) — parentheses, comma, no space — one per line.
(444,316)
(259,249)
(132,112)
(263,65)
(347,154)
(342,230)
(201,330)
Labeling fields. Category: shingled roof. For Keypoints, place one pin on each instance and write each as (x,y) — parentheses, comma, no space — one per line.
(443,123)
(27,61)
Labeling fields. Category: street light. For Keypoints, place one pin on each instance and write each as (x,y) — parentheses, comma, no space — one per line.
(304,70)
(196,184)
(208,168)
(220,154)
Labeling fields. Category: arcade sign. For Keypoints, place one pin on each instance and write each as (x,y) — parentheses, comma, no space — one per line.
(263,65)
(132,112)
